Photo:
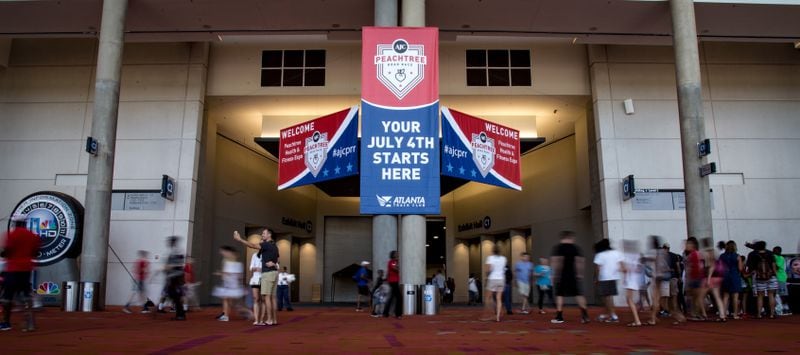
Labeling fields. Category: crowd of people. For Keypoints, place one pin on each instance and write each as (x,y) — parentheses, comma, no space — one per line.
(702,283)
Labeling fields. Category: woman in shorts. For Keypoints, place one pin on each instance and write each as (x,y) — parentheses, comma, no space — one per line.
(255,288)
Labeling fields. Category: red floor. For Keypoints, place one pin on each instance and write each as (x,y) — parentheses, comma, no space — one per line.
(316,329)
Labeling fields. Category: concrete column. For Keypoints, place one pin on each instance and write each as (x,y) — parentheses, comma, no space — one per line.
(412,250)
(413,13)
(690,112)
(458,265)
(384,240)
(94,257)
(384,227)
(519,245)
(385,13)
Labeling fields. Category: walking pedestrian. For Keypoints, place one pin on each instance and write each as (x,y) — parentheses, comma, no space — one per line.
(380,291)
(761,266)
(523,272)
(661,277)
(568,263)
(140,272)
(507,289)
(732,282)
(495,268)
(675,286)
(633,277)
(393,278)
(362,283)
(173,270)
(609,271)
(269,271)
(230,289)
(544,283)
(20,248)
(780,274)
(716,273)
(696,280)
(439,281)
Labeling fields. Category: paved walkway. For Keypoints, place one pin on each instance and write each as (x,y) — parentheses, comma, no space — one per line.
(317,329)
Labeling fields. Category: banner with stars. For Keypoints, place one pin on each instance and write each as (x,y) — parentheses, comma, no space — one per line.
(322,149)
(478,150)
(399,121)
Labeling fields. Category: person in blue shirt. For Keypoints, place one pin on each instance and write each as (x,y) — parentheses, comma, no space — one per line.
(523,270)
(544,284)
(362,281)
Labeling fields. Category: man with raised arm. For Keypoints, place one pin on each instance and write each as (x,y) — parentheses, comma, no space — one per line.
(269,271)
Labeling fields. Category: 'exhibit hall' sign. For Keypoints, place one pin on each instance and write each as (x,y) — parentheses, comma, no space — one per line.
(399,123)
(322,149)
(479,150)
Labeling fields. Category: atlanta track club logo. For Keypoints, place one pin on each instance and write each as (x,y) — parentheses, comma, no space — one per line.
(483,152)
(400,66)
(316,152)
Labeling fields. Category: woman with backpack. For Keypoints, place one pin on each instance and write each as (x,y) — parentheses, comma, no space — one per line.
(761,266)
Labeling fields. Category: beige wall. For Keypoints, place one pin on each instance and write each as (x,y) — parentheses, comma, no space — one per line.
(46,99)
(751,100)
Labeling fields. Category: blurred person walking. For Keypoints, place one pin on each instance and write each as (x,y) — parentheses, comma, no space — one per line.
(230,289)
(633,277)
(662,275)
(544,283)
(781,275)
(568,265)
(696,280)
(495,268)
(732,282)
(523,272)
(140,273)
(472,287)
(20,248)
(716,273)
(174,285)
(393,278)
(609,267)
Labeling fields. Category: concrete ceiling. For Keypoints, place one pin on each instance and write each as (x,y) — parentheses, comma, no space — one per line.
(611,21)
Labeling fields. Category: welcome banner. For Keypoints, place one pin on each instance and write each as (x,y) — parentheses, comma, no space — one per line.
(399,121)
(479,150)
(322,149)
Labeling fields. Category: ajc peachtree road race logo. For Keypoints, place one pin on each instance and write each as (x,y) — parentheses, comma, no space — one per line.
(316,152)
(56,219)
(400,66)
(483,152)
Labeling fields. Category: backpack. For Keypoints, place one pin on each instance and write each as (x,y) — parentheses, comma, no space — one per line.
(763,268)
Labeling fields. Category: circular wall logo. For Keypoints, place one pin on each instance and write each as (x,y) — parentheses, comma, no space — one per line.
(57,219)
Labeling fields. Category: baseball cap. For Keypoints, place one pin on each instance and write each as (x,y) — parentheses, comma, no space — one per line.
(19,218)
(666,246)
(364,263)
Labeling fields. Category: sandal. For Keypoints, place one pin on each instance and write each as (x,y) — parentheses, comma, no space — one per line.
(651,322)
(634,324)
(720,320)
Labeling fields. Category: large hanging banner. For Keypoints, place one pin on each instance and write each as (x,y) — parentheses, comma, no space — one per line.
(399,121)
(479,150)
(322,149)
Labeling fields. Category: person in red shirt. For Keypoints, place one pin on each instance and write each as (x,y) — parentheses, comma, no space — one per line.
(696,285)
(393,278)
(140,271)
(20,247)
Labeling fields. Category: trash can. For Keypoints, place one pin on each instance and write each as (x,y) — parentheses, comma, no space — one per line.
(430,300)
(69,296)
(90,296)
(410,302)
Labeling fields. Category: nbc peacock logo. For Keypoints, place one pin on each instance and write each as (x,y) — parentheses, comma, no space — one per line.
(48,288)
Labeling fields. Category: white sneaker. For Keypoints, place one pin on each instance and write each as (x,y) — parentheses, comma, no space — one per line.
(223,319)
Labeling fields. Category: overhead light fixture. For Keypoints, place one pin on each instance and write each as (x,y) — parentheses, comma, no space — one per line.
(427,245)
(435,237)
(797,45)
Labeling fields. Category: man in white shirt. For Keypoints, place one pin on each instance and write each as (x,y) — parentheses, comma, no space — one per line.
(609,264)
(284,279)
(439,281)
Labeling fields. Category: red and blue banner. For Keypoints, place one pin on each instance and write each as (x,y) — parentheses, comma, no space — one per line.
(478,150)
(399,121)
(322,149)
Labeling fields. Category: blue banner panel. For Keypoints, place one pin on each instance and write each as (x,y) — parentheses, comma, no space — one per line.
(399,160)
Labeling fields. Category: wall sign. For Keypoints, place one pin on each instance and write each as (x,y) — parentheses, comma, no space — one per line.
(322,149)
(661,200)
(399,123)
(479,150)
(57,219)
(304,225)
(485,223)
(137,200)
